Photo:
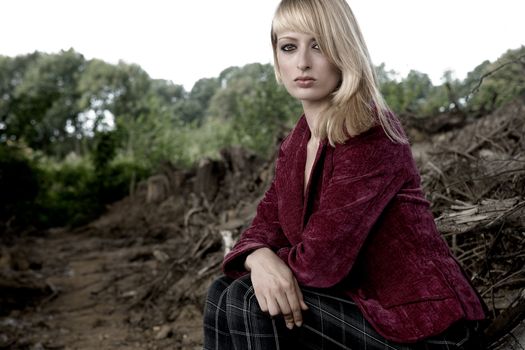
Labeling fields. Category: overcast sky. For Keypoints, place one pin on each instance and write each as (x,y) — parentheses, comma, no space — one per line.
(185,40)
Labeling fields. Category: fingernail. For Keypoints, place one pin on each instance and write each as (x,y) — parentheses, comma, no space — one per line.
(289,325)
(299,324)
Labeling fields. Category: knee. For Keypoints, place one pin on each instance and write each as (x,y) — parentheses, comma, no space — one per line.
(217,289)
(239,289)
(240,296)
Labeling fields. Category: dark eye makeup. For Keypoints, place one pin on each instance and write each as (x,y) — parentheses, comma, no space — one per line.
(291,47)
(287,47)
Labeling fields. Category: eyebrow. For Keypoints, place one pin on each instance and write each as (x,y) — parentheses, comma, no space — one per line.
(291,38)
(286,38)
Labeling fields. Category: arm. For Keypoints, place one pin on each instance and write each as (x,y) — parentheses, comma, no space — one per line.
(275,287)
(264,232)
(365,177)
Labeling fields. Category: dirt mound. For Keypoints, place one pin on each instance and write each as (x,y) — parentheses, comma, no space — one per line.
(137,276)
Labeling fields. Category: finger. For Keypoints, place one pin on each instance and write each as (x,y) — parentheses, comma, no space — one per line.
(273,307)
(262,303)
(303,305)
(294,301)
(288,319)
(286,310)
(284,306)
(300,296)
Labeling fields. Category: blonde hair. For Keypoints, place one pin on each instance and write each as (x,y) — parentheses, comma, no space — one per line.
(357,104)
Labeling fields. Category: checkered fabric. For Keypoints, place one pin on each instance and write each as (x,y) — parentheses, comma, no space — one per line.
(233,320)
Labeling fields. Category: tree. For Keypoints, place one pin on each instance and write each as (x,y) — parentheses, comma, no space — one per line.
(199,99)
(43,99)
(416,88)
(12,71)
(250,98)
(392,90)
(490,85)
(98,87)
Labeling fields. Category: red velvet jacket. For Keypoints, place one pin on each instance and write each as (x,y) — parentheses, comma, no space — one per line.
(365,229)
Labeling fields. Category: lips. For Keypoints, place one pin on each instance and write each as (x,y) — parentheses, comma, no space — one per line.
(304,82)
(304,79)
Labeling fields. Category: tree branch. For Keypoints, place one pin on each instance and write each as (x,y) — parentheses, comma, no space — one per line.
(478,85)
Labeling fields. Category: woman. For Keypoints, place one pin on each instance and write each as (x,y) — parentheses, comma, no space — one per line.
(343,252)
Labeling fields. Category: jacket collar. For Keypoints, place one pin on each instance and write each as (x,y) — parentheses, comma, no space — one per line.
(296,194)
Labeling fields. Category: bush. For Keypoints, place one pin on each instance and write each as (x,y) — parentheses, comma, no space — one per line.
(68,195)
(117,180)
(74,193)
(18,183)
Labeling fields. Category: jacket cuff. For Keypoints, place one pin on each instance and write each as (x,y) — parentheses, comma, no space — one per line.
(233,264)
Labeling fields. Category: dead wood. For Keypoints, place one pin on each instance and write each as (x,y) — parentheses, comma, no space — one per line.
(474,176)
(175,228)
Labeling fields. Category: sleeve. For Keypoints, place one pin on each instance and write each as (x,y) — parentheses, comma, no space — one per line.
(364,180)
(264,231)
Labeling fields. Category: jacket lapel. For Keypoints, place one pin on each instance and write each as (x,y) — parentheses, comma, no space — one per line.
(312,182)
(293,206)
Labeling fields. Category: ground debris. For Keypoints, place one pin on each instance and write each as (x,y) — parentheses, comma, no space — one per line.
(136,278)
(475,179)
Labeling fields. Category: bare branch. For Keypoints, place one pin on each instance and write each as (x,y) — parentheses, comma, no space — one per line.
(478,85)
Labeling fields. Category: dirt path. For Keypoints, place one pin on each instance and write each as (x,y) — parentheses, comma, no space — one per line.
(94,280)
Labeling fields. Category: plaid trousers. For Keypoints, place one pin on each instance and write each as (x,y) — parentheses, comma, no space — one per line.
(233,320)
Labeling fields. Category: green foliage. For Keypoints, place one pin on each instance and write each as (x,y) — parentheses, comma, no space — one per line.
(193,109)
(503,80)
(11,75)
(416,88)
(414,94)
(99,88)
(118,179)
(18,182)
(104,151)
(74,193)
(44,101)
(58,103)
(119,124)
(391,89)
(68,195)
(70,192)
(487,87)
(257,107)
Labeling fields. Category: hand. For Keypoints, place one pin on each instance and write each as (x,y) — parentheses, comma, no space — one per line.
(275,286)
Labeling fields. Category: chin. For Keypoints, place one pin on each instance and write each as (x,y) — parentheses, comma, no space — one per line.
(312,98)
(309,97)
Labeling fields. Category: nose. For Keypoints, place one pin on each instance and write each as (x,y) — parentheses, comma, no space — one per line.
(303,60)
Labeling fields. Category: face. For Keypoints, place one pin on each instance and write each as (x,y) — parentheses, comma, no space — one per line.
(306,73)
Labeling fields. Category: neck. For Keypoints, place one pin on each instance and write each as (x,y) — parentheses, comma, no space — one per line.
(311,113)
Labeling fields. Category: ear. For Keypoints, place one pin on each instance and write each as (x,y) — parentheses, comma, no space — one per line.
(340,81)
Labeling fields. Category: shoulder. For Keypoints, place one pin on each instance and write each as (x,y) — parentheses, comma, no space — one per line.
(372,149)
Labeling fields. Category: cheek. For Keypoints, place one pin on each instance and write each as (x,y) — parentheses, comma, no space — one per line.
(336,76)
(285,63)
(284,69)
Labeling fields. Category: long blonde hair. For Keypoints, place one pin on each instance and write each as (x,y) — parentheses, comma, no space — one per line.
(357,104)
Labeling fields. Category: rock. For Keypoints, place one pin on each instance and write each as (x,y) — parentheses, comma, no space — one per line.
(163,332)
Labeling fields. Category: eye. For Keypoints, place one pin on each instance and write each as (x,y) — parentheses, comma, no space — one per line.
(316,46)
(287,47)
